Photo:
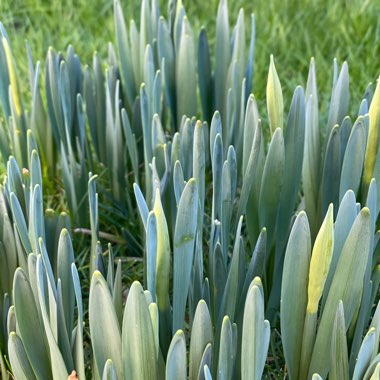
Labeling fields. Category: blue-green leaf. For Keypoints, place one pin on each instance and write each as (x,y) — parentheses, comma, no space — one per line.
(176,359)
(104,326)
(183,250)
(138,342)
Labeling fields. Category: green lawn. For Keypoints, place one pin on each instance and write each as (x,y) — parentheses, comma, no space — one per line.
(292,30)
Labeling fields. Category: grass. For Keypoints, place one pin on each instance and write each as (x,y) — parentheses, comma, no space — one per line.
(292,31)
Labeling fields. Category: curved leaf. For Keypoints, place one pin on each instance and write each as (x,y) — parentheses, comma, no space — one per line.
(346,285)
(271,184)
(255,336)
(183,251)
(294,292)
(30,326)
(176,360)
(339,353)
(138,342)
(275,102)
(104,326)
(21,367)
(201,336)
